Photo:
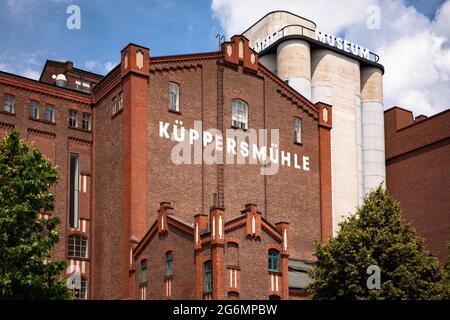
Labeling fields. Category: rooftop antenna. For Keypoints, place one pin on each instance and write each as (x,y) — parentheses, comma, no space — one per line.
(221,38)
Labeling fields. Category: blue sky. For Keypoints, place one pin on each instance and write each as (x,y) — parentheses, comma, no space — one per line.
(414,33)
(34,30)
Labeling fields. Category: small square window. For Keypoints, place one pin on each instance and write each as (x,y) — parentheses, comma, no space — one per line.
(33,109)
(49,113)
(8,103)
(274,261)
(86,121)
(114,105)
(73,118)
(121,101)
(239,114)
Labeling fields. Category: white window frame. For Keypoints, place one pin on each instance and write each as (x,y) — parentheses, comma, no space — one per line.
(121,100)
(73,112)
(239,114)
(8,103)
(33,109)
(298,130)
(89,121)
(52,108)
(82,240)
(174,96)
(114,106)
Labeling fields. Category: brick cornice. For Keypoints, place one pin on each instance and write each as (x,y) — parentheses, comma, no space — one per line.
(42,88)
(185,58)
(42,134)
(74,140)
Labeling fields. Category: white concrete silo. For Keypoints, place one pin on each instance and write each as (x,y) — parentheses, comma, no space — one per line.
(336,80)
(294,65)
(374,168)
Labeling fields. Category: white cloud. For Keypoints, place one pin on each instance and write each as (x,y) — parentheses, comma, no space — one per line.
(237,15)
(414,49)
(30,73)
(109,66)
(99,67)
(22,63)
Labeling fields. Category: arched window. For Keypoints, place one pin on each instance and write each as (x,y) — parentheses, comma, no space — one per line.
(174,97)
(144,273)
(239,114)
(274,260)
(77,247)
(274,297)
(169,263)
(207,277)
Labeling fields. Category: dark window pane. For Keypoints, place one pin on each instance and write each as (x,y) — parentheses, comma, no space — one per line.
(74,189)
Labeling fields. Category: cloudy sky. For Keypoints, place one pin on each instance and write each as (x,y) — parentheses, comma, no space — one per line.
(413,40)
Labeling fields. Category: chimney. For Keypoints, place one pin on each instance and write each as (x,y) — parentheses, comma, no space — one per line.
(420,118)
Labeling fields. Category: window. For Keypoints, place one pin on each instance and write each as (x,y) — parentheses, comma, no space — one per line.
(144,274)
(73,118)
(82,292)
(77,247)
(86,121)
(83,86)
(49,113)
(114,105)
(297,130)
(174,97)
(207,276)
(8,103)
(34,109)
(274,297)
(74,189)
(274,261)
(121,101)
(239,114)
(169,263)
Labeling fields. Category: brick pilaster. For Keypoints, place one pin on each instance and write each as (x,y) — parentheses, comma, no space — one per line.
(325,125)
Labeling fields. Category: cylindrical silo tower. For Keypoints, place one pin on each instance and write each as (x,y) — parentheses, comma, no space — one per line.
(336,80)
(374,169)
(294,65)
(345,75)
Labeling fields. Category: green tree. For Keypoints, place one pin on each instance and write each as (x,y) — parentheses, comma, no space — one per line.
(376,236)
(26,238)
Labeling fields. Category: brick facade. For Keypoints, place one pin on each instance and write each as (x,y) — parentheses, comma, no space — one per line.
(417,159)
(127,170)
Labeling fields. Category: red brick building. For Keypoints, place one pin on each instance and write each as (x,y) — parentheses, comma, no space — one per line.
(118,182)
(418,175)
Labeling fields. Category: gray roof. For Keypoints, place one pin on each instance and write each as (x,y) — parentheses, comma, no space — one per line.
(298,276)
